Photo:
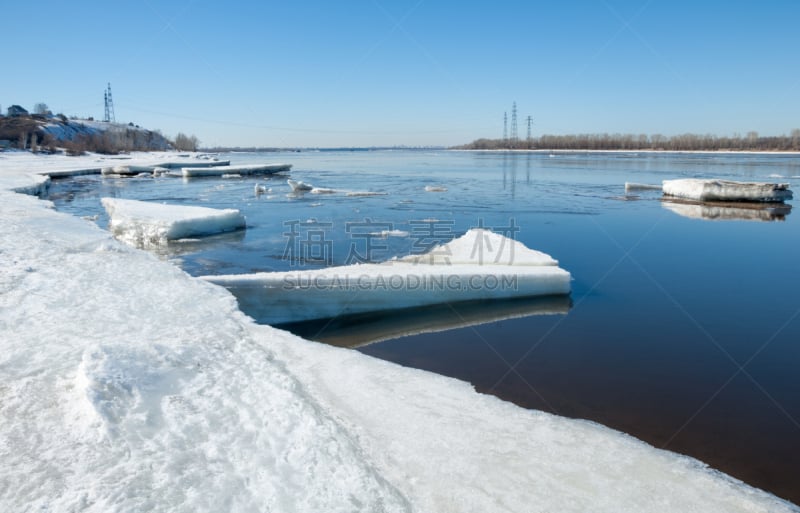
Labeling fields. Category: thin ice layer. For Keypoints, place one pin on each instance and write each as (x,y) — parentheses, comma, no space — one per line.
(726,190)
(143,223)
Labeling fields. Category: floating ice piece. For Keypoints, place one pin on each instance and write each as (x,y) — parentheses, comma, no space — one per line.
(724,190)
(194,163)
(298,186)
(435,188)
(262,169)
(365,193)
(632,186)
(143,224)
(479,265)
(127,170)
(729,211)
(261,189)
(323,190)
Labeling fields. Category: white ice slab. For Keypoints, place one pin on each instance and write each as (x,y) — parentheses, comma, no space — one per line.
(478,265)
(260,169)
(726,190)
(143,223)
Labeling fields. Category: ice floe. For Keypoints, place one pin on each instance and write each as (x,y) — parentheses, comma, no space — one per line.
(726,190)
(478,265)
(143,223)
(257,169)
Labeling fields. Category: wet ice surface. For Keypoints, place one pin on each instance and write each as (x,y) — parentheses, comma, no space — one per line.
(681,331)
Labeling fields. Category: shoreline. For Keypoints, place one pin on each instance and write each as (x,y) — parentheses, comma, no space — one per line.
(654,152)
(404,437)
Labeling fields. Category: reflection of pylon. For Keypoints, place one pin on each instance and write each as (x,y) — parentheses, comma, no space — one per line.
(109,106)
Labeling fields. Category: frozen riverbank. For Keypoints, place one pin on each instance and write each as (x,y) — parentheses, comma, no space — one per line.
(126,384)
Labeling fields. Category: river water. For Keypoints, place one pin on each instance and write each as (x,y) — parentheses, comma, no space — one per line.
(683,327)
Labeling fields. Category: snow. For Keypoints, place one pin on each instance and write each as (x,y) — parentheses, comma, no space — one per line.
(725,190)
(142,223)
(483,247)
(478,265)
(126,385)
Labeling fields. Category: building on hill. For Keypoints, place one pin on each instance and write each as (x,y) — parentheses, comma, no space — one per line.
(16,110)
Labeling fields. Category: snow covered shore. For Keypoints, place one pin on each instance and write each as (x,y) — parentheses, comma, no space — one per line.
(126,385)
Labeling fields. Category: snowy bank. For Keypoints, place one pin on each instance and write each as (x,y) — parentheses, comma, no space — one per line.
(478,265)
(143,223)
(726,190)
(126,385)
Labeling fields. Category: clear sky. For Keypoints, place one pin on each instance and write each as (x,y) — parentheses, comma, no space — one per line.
(413,72)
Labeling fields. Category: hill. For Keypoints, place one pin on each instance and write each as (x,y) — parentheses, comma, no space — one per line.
(41,132)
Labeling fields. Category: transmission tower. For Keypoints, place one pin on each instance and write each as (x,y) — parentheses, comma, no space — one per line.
(514,122)
(529,119)
(109,104)
(505,126)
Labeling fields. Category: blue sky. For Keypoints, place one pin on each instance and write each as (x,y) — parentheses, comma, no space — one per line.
(414,72)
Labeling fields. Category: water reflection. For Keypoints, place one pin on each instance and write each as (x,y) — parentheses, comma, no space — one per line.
(361,330)
(728,211)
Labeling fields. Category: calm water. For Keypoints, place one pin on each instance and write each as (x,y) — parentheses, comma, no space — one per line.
(681,330)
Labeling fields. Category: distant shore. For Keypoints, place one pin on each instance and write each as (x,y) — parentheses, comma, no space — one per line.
(671,152)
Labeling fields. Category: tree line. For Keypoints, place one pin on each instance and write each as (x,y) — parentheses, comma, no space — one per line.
(752,141)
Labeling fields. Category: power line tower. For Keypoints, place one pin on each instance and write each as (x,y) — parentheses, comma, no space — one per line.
(514,122)
(109,106)
(529,119)
(505,126)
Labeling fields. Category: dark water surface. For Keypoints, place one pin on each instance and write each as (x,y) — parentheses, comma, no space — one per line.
(683,327)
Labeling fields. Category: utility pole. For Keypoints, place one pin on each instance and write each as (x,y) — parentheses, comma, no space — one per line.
(109,106)
(514,122)
(529,119)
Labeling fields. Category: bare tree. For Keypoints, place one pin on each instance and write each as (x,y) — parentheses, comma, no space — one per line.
(185,142)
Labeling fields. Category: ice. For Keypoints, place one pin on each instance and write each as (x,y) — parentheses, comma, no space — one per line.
(128,170)
(126,385)
(483,247)
(435,188)
(725,190)
(142,223)
(479,265)
(258,169)
(299,186)
(633,186)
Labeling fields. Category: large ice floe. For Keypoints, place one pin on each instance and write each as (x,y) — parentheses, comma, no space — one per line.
(127,385)
(144,223)
(255,169)
(478,265)
(726,190)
